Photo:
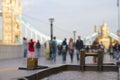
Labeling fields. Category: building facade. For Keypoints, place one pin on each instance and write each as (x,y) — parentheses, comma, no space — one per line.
(104,36)
(11,27)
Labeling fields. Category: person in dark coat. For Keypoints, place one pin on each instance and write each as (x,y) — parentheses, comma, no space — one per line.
(95,47)
(38,46)
(79,45)
(116,49)
(64,47)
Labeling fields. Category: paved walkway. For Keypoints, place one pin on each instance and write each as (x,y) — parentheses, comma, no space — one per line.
(9,68)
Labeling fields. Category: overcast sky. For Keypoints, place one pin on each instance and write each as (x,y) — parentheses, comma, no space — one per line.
(70,15)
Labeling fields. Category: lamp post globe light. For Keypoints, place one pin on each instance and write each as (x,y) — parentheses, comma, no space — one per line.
(74,35)
(51,25)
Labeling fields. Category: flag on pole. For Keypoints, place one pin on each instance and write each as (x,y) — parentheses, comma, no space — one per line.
(117,3)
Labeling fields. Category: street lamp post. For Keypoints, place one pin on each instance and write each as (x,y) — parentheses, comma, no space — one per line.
(51,32)
(51,25)
(74,33)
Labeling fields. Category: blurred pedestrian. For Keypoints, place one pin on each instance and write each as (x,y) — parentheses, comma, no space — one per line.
(54,49)
(59,49)
(79,46)
(25,45)
(101,46)
(47,49)
(31,49)
(110,51)
(95,47)
(116,49)
(71,49)
(38,46)
(64,50)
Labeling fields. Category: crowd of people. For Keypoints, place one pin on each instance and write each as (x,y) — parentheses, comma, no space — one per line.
(114,50)
(52,49)
(29,48)
(64,48)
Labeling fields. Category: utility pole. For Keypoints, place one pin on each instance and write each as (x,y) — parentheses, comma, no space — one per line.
(51,32)
(51,25)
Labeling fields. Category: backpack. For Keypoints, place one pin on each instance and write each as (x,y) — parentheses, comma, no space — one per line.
(64,48)
(53,44)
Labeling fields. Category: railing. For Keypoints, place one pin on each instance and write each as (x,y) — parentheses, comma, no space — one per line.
(34,30)
(114,36)
(99,55)
(92,36)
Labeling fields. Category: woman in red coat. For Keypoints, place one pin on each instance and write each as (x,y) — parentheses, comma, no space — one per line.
(31,48)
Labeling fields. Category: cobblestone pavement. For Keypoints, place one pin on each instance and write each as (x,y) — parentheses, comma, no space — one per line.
(9,68)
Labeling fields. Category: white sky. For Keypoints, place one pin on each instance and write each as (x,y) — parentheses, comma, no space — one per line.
(69,15)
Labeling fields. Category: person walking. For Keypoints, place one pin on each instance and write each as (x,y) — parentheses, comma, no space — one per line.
(79,45)
(101,46)
(31,48)
(54,49)
(71,49)
(64,47)
(116,49)
(110,51)
(47,49)
(95,47)
(59,49)
(25,45)
(38,46)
